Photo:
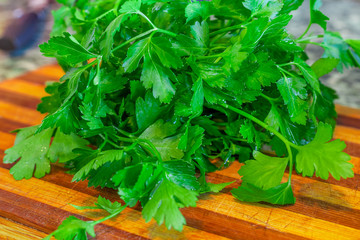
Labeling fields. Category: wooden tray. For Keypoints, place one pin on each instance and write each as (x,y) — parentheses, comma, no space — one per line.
(30,209)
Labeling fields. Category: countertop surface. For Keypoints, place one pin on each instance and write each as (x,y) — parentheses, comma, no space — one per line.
(31,209)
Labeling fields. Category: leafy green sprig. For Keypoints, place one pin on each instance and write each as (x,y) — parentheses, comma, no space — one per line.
(158,88)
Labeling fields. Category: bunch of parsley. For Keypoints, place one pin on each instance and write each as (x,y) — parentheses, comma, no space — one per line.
(155,89)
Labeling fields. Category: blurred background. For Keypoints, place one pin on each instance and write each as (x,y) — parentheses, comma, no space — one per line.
(344,17)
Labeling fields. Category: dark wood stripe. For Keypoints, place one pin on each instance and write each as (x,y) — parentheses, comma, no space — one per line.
(46,218)
(231,227)
(352,149)
(348,121)
(351,183)
(19,99)
(7,125)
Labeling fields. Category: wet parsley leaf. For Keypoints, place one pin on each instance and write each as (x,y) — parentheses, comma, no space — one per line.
(154,89)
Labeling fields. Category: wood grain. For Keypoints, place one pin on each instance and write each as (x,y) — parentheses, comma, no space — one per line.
(11,230)
(30,209)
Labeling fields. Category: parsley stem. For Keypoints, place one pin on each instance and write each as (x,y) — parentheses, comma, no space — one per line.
(290,156)
(309,26)
(215,39)
(309,38)
(117,5)
(259,122)
(235,27)
(156,28)
(110,216)
(287,143)
(270,99)
(133,39)
(285,71)
(123,139)
(306,31)
(143,35)
(123,132)
(147,19)
(312,108)
(102,15)
(218,47)
(148,145)
(313,43)
(238,139)
(210,56)
(106,140)
(151,148)
(166,32)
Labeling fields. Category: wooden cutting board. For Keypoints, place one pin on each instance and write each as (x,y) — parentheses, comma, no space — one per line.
(31,209)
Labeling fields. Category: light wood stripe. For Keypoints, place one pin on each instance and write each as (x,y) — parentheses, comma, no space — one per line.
(42,75)
(60,197)
(10,230)
(6,140)
(347,134)
(348,111)
(20,114)
(356,162)
(23,87)
(51,72)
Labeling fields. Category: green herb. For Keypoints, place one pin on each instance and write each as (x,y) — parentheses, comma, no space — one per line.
(160,87)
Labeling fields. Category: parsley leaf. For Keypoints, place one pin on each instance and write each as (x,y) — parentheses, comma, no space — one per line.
(32,151)
(51,103)
(67,49)
(164,203)
(94,161)
(159,134)
(110,32)
(316,16)
(323,157)
(336,47)
(62,147)
(263,8)
(154,76)
(197,9)
(281,194)
(73,228)
(130,6)
(264,172)
(104,204)
(42,153)
(294,94)
(135,54)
